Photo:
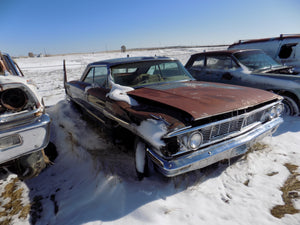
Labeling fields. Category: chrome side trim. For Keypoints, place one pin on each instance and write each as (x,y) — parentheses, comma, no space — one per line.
(118,120)
(107,114)
(16,116)
(89,111)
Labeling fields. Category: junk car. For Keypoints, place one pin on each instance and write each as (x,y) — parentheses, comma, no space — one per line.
(24,125)
(252,68)
(284,48)
(179,124)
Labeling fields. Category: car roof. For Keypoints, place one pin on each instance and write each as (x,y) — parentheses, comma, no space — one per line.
(226,52)
(118,61)
(281,37)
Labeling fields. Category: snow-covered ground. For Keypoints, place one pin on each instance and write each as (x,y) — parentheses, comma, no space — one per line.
(92,181)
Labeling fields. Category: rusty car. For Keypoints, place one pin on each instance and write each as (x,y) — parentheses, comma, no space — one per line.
(284,48)
(252,68)
(24,125)
(178,124)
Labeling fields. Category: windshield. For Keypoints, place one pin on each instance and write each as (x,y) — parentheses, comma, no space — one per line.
(149,72)
(256,60)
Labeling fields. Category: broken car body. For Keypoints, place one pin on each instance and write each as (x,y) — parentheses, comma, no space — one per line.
(24,125)
(252,68)
(180,124)
(285,48)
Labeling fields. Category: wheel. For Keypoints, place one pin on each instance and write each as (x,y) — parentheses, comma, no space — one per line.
(29,166)
(50,153)
(290,106)
(140,159)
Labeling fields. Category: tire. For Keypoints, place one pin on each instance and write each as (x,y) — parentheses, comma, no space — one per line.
(290,106)
(29,166)
(50,153)
(140,159)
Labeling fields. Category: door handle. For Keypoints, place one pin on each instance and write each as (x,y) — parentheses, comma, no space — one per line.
(227,76)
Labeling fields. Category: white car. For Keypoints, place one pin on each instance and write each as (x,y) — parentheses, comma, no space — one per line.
(24,126)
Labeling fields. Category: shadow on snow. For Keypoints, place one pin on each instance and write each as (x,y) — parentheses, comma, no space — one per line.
(93,179)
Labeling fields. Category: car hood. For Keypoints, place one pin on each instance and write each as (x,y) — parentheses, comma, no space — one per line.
(280,70)
(203,99)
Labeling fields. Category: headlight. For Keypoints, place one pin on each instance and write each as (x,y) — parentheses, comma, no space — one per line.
(273,113)
(265,117)
(279,109)
(195,140)
(14,99)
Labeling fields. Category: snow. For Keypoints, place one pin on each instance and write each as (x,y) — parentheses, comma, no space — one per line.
(118,93)
(140,157)
(152,131)
(93,180)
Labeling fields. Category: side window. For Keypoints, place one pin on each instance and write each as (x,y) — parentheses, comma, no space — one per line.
(100,75)
(286,50)
(164,69)
(212,62)
(19,71)
(90,76)
(96,75)
(228,63)
(199,62)
(220,62)
(1,67)
(10,66)
(153,69)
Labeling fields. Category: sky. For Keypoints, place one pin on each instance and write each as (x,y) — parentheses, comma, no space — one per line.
(70,26)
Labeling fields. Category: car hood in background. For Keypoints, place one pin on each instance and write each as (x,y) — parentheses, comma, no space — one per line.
(204,99)
(274,69)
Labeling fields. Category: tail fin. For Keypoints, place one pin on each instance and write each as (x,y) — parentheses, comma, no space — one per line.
(65,75)
(65,71)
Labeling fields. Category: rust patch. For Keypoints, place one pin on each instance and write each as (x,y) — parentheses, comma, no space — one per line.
(204,99)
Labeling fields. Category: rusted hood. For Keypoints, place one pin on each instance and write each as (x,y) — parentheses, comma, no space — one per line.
(204,99)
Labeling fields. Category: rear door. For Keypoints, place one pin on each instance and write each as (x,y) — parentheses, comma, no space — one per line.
(196,66)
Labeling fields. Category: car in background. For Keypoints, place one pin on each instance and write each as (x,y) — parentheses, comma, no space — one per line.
(24,125)
(251,68)
(285,48)
(178,124)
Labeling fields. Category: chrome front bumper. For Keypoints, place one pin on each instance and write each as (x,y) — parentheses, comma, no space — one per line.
(214,153)
(24,139)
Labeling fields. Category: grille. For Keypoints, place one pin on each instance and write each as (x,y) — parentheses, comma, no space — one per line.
(221,129)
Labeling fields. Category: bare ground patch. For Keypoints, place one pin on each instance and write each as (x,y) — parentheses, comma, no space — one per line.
(290,191)
(12,203)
